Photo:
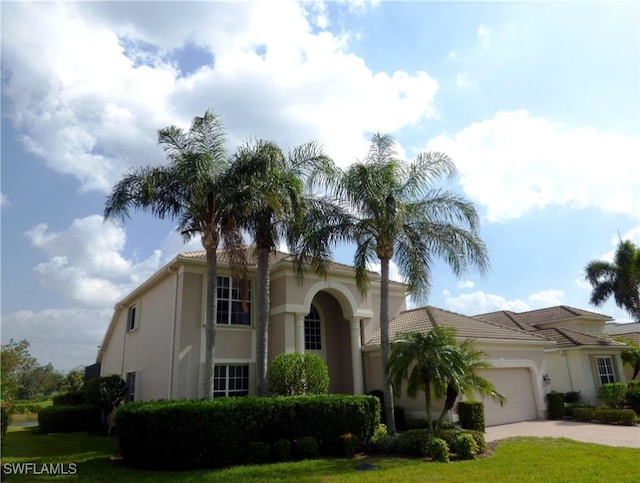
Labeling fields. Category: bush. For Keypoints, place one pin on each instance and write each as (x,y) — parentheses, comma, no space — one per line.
(570,408)
(257,453)
(281,450)
(471,415)
(414,442)
(70,398)
(613,394)
(572,397)
(207,434)
(295,374)
(606,415)
(438,450)
(68,419)
(25,408)
(465,446)
(307,448)
(450,436)
(381,441)
(5,409)
(632,396)
(555,405)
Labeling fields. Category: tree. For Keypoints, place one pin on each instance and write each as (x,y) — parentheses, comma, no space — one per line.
(471,359)
(270,204)
(15,361)
(192,189)
(295,374)
(620,279)
(426,362)
(394,213)
(39,380)
(74,380)
(631,355)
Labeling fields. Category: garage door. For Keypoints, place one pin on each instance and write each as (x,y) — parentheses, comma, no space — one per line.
(517,385)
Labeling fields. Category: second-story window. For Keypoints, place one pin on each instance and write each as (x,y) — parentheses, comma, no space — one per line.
(230,310)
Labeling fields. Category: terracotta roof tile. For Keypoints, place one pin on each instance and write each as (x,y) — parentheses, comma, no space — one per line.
(571,338)
(507,319)
(553,314)
(426,318)
(616,328)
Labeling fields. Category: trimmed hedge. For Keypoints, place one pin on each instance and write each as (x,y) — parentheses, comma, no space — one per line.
(70,398)
(471,414)
(68,419)
(208,434)
(613,394)
(555,405)
(606,415)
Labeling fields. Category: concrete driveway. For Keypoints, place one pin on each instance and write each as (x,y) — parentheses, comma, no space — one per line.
(606,434)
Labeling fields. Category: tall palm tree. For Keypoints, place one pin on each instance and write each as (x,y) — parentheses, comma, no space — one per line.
(193,190)
(394,212)
(620,279)
(471,359)
(270,204)
(427,362)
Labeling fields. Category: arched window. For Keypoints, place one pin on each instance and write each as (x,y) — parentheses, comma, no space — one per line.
(312,330)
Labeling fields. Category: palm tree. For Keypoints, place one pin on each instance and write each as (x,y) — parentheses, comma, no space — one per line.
(631,355)
(395,213)
(191,189)
(620,278)
(471,359)
(427,362)
(270,204)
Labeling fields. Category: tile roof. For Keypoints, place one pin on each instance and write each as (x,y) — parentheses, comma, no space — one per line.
(553,314)
(564,338)
(507,319)
(616,328)
(426,318)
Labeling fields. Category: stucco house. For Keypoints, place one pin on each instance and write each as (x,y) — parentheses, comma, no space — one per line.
(155,339)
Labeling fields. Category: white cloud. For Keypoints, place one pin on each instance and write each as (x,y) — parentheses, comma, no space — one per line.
(67,338)
(481,302)
(515,163)
(465,284)
(85,261)
(4,200)
(394,273)
(88,93)
(484,34)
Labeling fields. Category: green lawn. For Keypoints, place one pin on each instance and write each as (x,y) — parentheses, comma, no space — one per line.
(514,460)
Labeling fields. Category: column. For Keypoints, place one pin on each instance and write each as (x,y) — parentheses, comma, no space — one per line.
(300,333)
(356,357)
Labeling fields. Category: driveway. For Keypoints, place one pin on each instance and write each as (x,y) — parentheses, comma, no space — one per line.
(606,434)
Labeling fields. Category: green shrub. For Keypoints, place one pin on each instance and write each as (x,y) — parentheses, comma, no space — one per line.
(414,442)
(207,434)
(555,405)
(613,394)
(572,397)
(606,415)
(70,398)
(106,392)
(258,452)
(5,409)
(25,408)
(570,408)
(281,450)
(295,374)
(450,436)
(471,415)
(381,441)
(307,448)
(68,419)
(465,446)
(632,396)
(438,450)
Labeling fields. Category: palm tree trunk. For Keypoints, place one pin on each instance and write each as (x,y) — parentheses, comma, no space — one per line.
(210,322)
(385,345)
(427,403)
(450,400)
(262,301)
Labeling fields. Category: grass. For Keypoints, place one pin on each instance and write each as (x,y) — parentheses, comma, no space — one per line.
(515,459)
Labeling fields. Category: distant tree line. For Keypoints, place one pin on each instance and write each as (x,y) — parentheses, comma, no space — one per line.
(21,376)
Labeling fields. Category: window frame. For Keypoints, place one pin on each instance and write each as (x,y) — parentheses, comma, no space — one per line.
(610,372)
(231,379)
(132,385)
(233,308)
(132,317)
(314,339)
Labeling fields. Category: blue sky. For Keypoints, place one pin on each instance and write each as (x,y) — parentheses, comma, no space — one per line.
(537,103)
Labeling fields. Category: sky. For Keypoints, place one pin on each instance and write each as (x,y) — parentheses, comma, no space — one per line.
(538,104)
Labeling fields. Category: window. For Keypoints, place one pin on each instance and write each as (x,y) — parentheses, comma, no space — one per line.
(131,386)
(605,370)
(312,332)
(230,310)
(230,381)
(131,318)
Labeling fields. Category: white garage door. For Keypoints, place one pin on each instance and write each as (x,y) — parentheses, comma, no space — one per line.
(517,385)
